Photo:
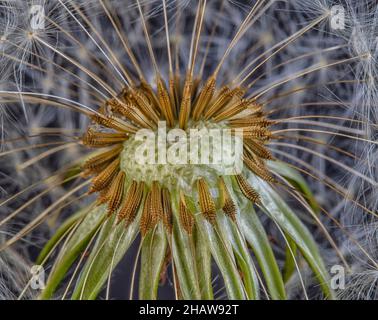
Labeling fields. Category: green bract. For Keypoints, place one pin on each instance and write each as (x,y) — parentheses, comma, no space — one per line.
(239,248)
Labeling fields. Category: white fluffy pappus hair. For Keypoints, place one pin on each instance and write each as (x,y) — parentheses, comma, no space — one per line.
(300,77)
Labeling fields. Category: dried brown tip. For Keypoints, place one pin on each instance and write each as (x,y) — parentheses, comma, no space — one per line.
(167,210)
(204,97)
(257,133)
(126,95)
(130,112)
(99,160)
(145,221)
(238,92)
(147,90)
(113,123)
(87,173)
(186,102)
(149,218)
(186,218)
(144,105)
(196,84)
(95,139)
(250,193)
(250,121)
(115,193)
(258,148)
(228,205)
(103,196)
(225,97)
(156,201)
(222,98)
(165,102)
(173,96)
(206,201)
(127,203)
(101,181)
(131,204)
(259,169)
(103,109)
(232,110)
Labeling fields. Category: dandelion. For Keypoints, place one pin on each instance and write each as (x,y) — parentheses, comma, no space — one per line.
(98,73)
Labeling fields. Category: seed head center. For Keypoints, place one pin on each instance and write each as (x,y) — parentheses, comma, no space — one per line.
(177,158)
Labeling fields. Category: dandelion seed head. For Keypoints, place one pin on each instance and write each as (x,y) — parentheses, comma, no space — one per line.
(304,94)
